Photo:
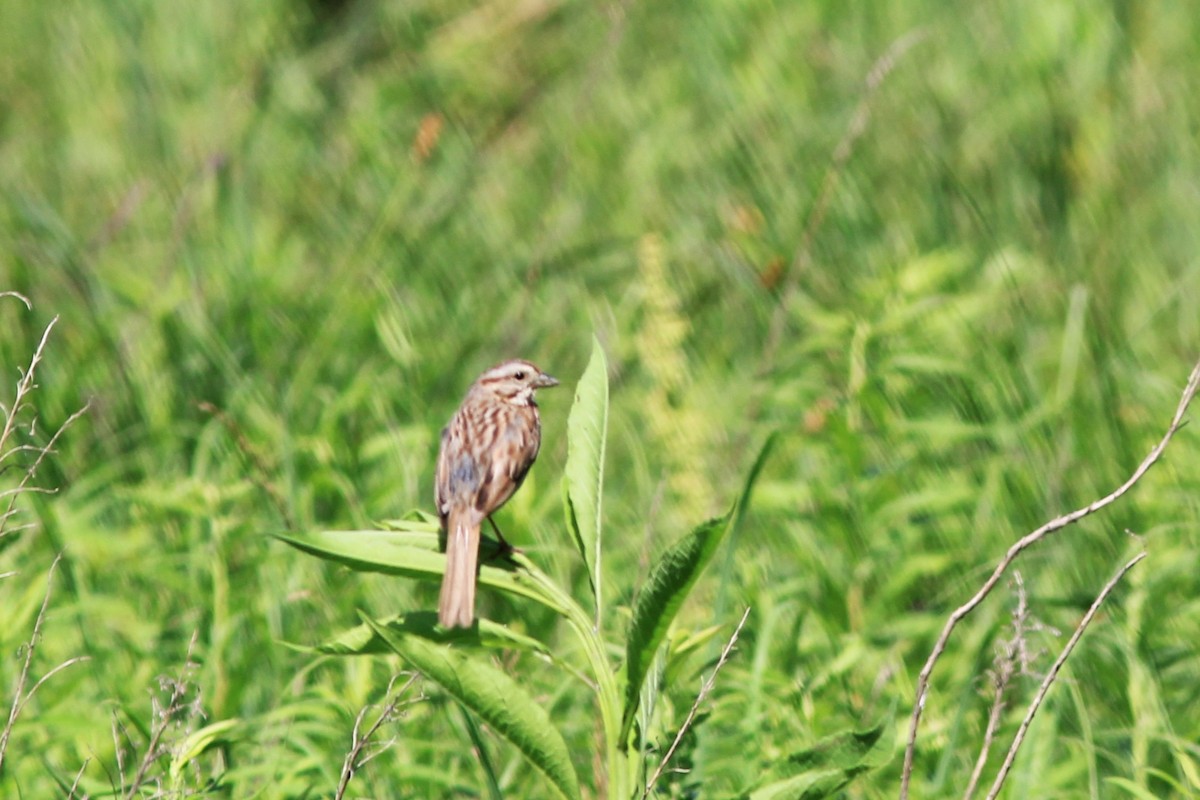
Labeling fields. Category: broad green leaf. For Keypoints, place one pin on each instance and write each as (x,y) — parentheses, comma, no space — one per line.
(363,640)
(414,554)
(670,581)
(853,751)
(201,740)
(826,768)
(416,520)
(806,786)
(668,586)
(496,698)
(587,429)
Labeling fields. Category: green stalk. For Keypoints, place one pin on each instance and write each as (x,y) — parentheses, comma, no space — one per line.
(619,787)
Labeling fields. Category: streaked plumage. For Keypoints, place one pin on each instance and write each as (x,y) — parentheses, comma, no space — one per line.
(487,449)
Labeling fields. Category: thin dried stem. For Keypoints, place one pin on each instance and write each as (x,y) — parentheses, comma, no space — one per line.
(120,738)
(23,486)
(1013,658)
(163,719)
(25,385)
(1053,673)
(78,777)
(989,734)
(355,758)
(1015,550)
(20,696)
(20,297)
(705,689)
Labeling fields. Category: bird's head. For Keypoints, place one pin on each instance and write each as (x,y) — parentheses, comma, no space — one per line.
(515,381)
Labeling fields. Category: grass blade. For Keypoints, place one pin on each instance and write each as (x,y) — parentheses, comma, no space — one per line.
(739,515)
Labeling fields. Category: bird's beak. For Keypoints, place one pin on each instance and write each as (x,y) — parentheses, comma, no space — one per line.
(545,381)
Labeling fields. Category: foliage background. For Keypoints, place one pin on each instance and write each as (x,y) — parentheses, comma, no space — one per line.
(324,220)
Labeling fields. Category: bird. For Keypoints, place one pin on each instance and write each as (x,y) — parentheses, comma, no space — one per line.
(486,451)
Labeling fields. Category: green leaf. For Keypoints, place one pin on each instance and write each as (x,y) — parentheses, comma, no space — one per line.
(414,553)
(587,430)
(363,640)
(1131,788)
(668,586)
(826,768)
(480,748)
(496,698)
(735,525)
(683,649)
(671,581)
(200,741)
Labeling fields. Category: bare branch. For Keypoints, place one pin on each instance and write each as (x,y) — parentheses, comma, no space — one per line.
(43,451)
(355,758)
(1053,673)
(21,448)
(1000,682)
(120,738)
(24,490)
(705,689)
(9,531)
(25,385)
(70,662)
(12,414)
(19,695)
(78,777)
(164,716)
(1013,658)
(1015,550)
(20,297)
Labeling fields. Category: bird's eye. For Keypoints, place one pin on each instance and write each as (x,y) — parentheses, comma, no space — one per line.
(520,375)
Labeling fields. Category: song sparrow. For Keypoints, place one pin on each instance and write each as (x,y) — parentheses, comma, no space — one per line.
(487,449)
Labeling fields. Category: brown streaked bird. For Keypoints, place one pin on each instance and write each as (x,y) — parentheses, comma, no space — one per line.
(487,449)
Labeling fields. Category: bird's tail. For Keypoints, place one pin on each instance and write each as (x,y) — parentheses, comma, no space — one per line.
(456,607)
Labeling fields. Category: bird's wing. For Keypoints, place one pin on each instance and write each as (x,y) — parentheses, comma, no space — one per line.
(442,477)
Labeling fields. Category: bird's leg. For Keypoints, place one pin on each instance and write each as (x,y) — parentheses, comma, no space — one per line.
(506,549)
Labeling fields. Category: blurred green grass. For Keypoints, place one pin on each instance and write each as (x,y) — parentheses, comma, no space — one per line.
(326,219)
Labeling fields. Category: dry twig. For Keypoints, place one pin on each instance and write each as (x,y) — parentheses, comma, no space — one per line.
(23,486)
(705,689)
(164,716)
(20,696)
(1013,658)
(1015,550)
(25,386)
(78,777)
(1053,673)
(354,759)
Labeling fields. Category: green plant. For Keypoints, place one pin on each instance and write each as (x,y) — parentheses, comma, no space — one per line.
(409,548)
